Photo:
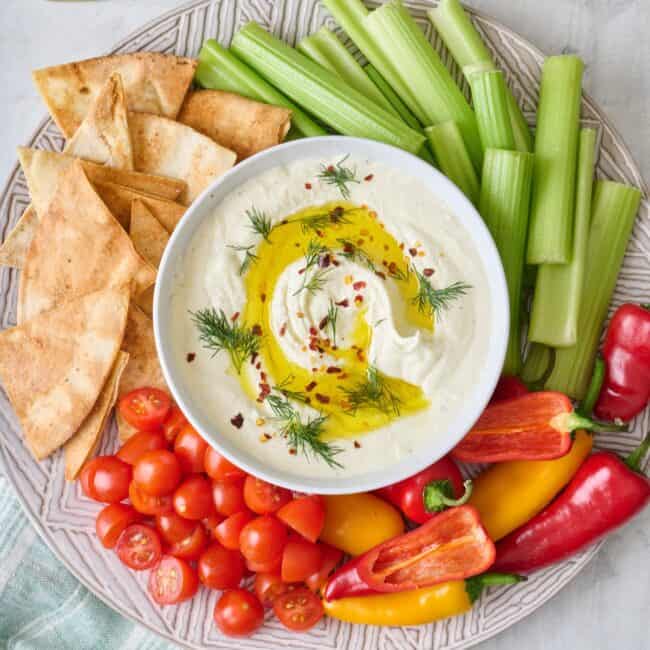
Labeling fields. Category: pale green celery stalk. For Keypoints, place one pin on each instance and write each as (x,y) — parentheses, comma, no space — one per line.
(454,161)
(614,208)
(320,91)
(504,204)
(537,365)
(220,69)
(554,315)
(489,93)
(394,99)
(419,65)
(520,129)
(556,152)
(326,49)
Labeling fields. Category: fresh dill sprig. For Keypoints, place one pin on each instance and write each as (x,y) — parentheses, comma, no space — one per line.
(354,253)
(372,393)
(315,281)
(340,176)
(322,220)
(434,301)
(396,273)
(249,258)
(296,395)
(259,223)
(217,333)
(332,316)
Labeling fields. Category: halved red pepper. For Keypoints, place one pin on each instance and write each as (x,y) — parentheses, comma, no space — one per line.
(535,426)
(451,546)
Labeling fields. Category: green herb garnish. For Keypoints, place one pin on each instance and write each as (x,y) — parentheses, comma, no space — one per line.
(372,393)
(353,253)
(315,281)
(340,176)
(434,301)
(332,315)
(259,223)
(249,258)
(322,220)
(297,396)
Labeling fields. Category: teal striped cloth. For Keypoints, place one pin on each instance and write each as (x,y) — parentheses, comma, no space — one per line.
(43,606)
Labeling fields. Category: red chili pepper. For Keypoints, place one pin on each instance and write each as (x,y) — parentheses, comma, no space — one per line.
(408,495)
(604,493)
(451,546)
(535,426)
(507,388)
(626,351)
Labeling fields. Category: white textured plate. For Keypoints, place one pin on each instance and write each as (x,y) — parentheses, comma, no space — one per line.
(65,520)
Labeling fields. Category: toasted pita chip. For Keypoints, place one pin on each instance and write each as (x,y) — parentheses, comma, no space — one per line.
(84,443)
(162,146)
(153,82)
(235,122)
(103,136)
(145,300)
(53,367)
(78,247)
(14,248)
(147,234)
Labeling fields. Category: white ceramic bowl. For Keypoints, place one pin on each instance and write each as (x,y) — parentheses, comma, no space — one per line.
(497,327)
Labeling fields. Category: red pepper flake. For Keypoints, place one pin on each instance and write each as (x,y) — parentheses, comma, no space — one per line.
(283,329)
(348,247)
(234,317)
(336,263)
(190,357)
(323,324)
(263,297)
(343,303)
(369,177)
(324,261)
(392,268)
(263,376)
(323,399)
(360,242)
(337,213)
(267,436)
(257,330)
(302,270)
(360,355)
(330,168)
(413,252)
(311,385)
(381,274)
(253,358)
(357,444)
(307,186)
(427,272)
(357,286)
(401,246)
(320,233)
(333,370)
(358,299)
(237,421)
(258,365)
(313,331)
(292,451)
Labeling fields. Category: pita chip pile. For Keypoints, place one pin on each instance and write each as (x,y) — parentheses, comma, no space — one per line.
(140,148)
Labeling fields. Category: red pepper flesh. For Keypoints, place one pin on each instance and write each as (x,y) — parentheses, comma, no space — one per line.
(451,546)
(508,387)
(604,494)
(626,351)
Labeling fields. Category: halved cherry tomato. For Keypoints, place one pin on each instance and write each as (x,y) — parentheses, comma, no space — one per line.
(220,468)
(272,566)
(106,479)
(262,540)
(174,422)
(305,515)
(298,610)
(211,522)
(221,568)
(190,448)
(139,547)
(192,546)
(238,613)
(112,520)
(269,585)
(193,498)
(331,557)
(145,408)
(172,581)
(157,472)
(139,444)
(148,505)
(300,559)
(174,528)
(262,497)
(229,530)
(228,497)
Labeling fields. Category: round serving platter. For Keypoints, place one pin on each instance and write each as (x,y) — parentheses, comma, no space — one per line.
(65,519)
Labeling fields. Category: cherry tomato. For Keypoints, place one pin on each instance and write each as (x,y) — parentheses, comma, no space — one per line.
(262,540)
(139,547)
(262,497)
(106,479)
(193,498)
(272,566)
(238,613)
(300,559)
(305,515)
(174,528)
(228,531)
(148,505)
(190,448)
(192,546)
(174,422)
(228,497)
(157,472)
(211,522)
(221,568)
(112,520)
(268,586)
(139,444)
(331,557)
(172,581)
(220,468)
(145,408)
(298,610)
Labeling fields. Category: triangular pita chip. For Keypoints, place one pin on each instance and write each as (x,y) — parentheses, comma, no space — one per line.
(153,82)
(103,136)
(14,248)
(85,441)
(53,367)
(78,247)
(162,146)
(145,300)
(235,122)
(147,234)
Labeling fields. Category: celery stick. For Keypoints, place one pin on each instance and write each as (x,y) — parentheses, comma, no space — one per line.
(220,69)
(520,129)
(320,91)
(327,50)
(394,99)
(556,151)
(614,208)
(489,94)
(554,316)
(419,65)
(504,204)
(450,151)
(538,365)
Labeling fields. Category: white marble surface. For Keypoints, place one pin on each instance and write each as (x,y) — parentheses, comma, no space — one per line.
(607,606)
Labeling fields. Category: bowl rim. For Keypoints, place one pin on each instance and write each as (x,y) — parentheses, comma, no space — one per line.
(461,208)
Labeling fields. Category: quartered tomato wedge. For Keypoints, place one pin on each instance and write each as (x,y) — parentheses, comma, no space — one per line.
(298,610)
(229,530)
(157,472)
(221,568)
(139,547)
(300,559)
(238,613)
(139,444)
(330,558)
(112,520)
(191,547)
(228,497)
(305,515)
(106,479)
(173,423)
(147,504)
(193,498)
(190,449)
(174,528)
(220,468)
(145,408)
(269,585)
(172,581)
(262,497)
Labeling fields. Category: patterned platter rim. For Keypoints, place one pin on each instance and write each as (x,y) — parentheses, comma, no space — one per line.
(490,616)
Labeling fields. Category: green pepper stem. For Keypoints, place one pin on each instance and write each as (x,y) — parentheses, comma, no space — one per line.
(597,378)
(576,421)
(633,461)
(475,585)
(438,495)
